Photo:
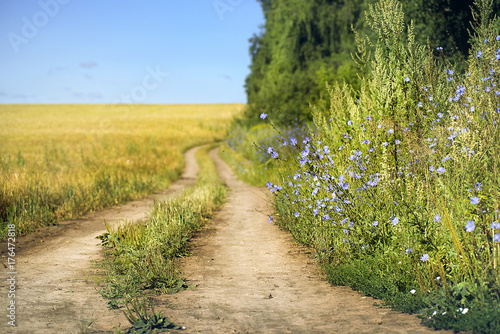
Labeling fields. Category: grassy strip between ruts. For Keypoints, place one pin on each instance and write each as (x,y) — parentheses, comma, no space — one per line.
(141,258)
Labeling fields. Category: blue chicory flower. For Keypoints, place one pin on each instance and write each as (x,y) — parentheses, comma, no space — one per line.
(495,225)
(470,226)
(395,221)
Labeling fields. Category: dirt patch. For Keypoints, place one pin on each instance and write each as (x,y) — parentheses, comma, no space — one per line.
(252,278)
(56,283)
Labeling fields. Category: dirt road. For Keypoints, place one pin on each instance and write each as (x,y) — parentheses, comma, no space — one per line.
(56,283)
(250,277)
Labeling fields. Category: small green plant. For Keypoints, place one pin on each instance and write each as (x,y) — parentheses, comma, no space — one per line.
(143,318)
(85,324)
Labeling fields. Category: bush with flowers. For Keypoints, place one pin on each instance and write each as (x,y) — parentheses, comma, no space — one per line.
(397,186)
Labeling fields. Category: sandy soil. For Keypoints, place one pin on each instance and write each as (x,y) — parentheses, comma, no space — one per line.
(250,277)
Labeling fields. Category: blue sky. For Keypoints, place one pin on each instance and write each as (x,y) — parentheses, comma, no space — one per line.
(125,51)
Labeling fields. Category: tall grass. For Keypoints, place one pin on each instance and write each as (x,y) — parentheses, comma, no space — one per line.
(396,186)
(61,161)
(142,256)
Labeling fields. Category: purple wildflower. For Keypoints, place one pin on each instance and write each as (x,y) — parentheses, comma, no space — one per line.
(395,221)
(495,225)
(470,226)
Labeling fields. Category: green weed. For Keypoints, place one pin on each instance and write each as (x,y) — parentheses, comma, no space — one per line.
(143,318)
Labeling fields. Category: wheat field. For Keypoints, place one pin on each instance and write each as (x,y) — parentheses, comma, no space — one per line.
(62,161)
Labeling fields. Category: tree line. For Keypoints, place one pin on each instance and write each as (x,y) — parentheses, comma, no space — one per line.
(304,44)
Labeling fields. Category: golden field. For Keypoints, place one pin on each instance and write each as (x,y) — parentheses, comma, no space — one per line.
(61,161)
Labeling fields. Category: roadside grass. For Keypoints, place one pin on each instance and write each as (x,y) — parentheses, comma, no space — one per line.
(62,161)
(141,257)
(396,186)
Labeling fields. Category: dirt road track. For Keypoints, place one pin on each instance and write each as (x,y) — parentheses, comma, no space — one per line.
(250,277)
(55,279)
